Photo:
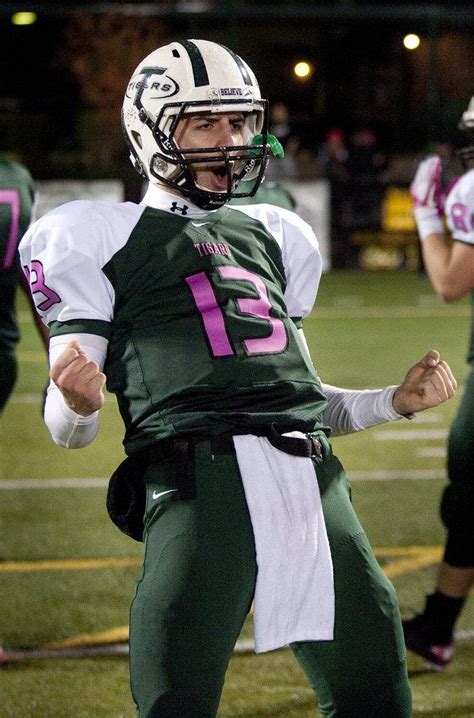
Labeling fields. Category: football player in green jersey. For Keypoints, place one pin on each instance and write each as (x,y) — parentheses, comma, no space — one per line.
(270,193)
(16,207)
(449,262)
(191,310)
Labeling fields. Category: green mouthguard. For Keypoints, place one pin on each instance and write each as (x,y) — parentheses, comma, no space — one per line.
(272,142)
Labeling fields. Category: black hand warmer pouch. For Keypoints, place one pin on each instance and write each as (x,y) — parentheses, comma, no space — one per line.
(126,498)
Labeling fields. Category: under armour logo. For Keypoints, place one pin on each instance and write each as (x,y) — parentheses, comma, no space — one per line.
(176,208)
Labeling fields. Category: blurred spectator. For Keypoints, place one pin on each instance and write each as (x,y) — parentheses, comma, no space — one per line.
(365,165)
(333,157)
(280,127)
(280,122)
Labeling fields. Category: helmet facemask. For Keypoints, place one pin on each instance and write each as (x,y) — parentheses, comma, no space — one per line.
(175,165)
(466,125)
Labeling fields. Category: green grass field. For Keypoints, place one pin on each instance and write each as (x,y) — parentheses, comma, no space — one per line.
(66,571)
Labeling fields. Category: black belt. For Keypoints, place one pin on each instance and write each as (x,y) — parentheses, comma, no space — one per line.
(181,450)
(126,491)
(308,447)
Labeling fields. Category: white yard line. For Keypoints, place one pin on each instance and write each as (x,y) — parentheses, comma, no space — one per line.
(410,434)
(429,417)
(25,399)
(390,312)
(432,451)
(401,475)
(91,483)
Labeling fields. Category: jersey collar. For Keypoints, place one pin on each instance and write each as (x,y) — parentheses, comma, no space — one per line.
(158,198)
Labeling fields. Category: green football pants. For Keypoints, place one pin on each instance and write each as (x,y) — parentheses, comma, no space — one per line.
(457,506)
(197,585)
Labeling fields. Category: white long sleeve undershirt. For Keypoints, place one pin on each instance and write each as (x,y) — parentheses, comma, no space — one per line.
(68,429)
(347,410)
(353,410)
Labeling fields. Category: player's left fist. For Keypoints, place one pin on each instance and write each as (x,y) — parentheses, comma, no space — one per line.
(429,383)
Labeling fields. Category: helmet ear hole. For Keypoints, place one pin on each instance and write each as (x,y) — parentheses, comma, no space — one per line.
(159,165)
(142,115)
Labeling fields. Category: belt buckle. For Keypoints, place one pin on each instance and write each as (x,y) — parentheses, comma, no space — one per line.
(316,447)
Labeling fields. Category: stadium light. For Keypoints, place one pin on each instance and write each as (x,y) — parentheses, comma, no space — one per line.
(303,70)
(24,18)
(411,41)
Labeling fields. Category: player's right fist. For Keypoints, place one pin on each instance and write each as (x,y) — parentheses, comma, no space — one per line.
(79,380)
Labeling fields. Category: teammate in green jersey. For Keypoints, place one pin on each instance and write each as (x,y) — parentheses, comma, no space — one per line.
(191,309)
(450,267)
(16,206)
(269,193)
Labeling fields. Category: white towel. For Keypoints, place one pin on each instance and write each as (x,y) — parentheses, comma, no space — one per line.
(294,595)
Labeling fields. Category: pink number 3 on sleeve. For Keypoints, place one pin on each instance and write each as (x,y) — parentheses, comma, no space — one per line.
(213,317)
(37,284)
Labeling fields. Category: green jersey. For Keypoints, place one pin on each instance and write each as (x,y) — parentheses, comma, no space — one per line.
(268,193)
(16,201)
(201,310)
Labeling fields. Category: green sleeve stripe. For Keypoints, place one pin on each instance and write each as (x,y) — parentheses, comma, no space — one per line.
(297,321)
(81,326)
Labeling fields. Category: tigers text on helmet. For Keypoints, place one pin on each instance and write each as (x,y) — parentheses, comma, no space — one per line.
(466,125)
(188,77)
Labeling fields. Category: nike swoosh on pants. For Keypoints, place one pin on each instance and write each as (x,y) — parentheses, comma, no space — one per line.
(156,495)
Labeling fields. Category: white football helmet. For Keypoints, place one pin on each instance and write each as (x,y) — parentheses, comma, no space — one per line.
(188,77)
(466,125)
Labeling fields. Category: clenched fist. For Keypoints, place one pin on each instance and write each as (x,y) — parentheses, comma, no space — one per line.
(79,380)
(427,384)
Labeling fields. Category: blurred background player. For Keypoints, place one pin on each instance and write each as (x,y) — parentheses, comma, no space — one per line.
(16,210)
(450,268)
(268,193)
(281,127)
(333,157)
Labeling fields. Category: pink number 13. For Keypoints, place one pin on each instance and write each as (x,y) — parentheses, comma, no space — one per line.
(213,318)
